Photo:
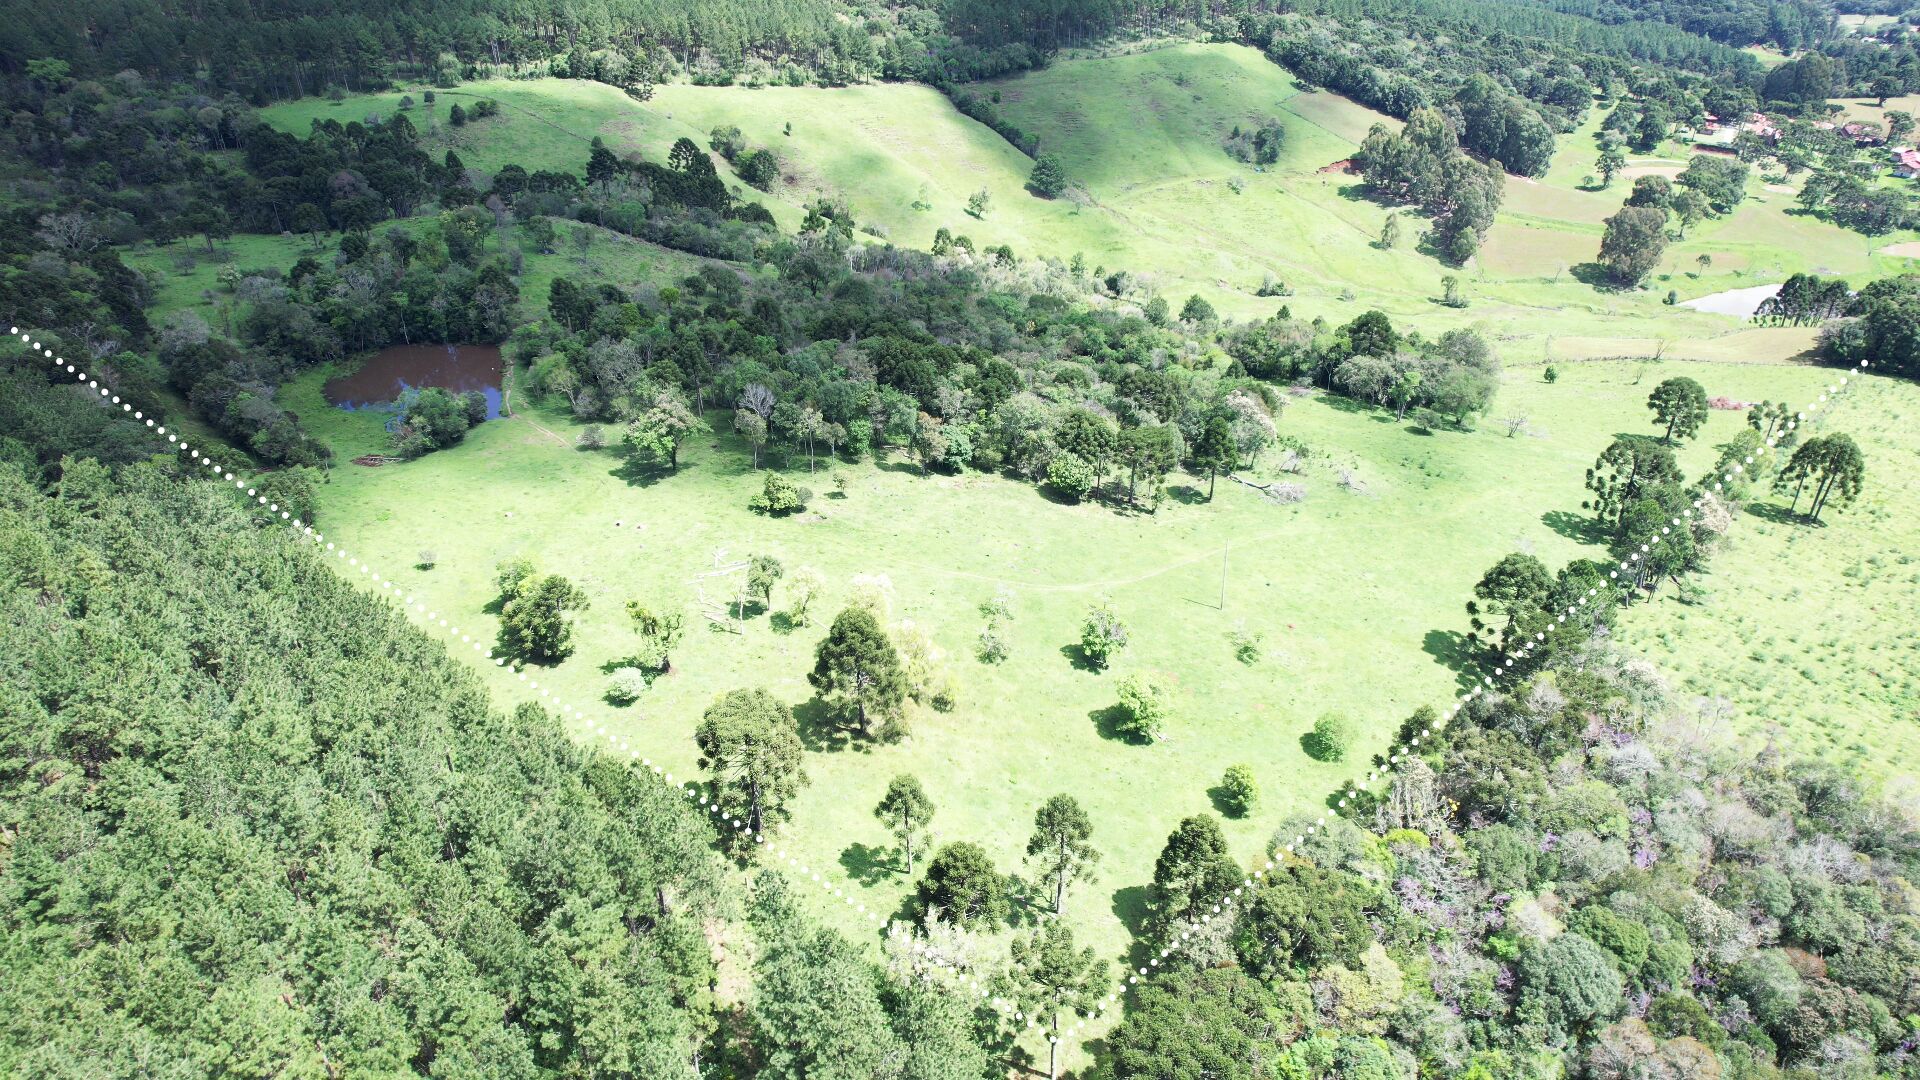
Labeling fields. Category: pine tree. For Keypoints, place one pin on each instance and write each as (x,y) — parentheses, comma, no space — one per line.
(857,670)
(1681,404)
(1051,977)
(907,811)
(1048,179)
(1215,450)
(750,744)
(1059,844)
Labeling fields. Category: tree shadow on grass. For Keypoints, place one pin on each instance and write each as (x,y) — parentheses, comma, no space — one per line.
(1107,722)
(1222,802)
(634,472)
(1130,907)
(1186,494)
(869,865)
(1575,526)
(782,623)
(820,729)
(1451,648)
(1595,275)
(1780,515)
(1077,657)
(1343,403)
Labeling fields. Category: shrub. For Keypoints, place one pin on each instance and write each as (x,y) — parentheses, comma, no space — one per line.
(1102,635)
(1143,706)
(1238,791)
(1246,644)
(779,496)
(1070,475)
(758,168)
(993,646)
(426,559)
(593,437)
(1332,737)
(625,685)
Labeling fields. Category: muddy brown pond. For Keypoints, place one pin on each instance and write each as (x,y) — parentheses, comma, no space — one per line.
(385,374)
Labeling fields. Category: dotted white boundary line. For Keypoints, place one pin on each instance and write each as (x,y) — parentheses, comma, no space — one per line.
(410,604)
(1354,788)
(691,791)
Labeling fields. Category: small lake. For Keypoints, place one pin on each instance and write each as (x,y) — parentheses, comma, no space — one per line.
(1739,302)
(385,374)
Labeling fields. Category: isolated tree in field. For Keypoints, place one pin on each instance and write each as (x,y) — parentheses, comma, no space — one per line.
(1681,404)
(1048,178)
(977,203)
(1059,845)
(1627,470)
(1052,977)
(1145,703)
(1102,634)
(666,425)
(750,746)
(1507,601)
(1633,242)
(1833,463)
(1191,875)
(803,588)
(1390,233)
(779,496)
(857,671)
(1215,450)
(1769,419)
(1610,163)
(533,612)
(660,627)
(1331,738)
(962,887)
(763,573)
(1239,790)
(907,812)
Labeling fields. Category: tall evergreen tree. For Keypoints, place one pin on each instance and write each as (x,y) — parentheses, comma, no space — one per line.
(1059,844)
(857,670)
(906,810)
(749,743)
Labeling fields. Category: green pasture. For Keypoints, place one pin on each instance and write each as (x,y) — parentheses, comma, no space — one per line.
(1357,598)
(1142,134)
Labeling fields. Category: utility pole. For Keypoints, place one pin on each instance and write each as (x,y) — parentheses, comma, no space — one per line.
(1223,577)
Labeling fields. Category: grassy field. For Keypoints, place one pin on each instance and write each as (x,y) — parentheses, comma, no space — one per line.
(1358,599)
